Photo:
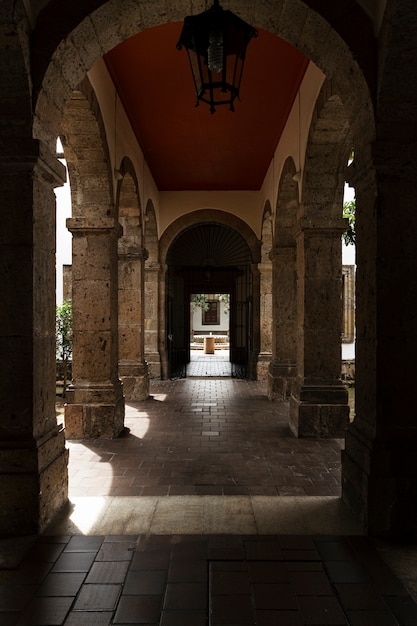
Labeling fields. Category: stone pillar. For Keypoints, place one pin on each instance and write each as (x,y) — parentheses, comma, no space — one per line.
(319,403)
(33,457)
(152,355)
(97,403)
(162,319)
(254,321)
(282,369)
(265,306)
(379,464)
(133,369)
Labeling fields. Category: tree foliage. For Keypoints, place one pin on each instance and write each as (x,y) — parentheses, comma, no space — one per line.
(199,300)
(349,236)
(63,332)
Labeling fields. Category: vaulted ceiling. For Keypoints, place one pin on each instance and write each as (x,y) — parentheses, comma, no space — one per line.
(187,147)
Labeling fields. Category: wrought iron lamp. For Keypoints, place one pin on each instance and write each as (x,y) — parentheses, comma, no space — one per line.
(216,43)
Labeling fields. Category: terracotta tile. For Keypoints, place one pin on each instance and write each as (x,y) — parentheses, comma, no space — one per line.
(274,596)
(65,584)
(278,618)
(183,618)
(81,543)
(347,572)
(15,597)
(231,609)
(371,618)
(89,618)
(145,582)
(107,572)
(187,571)
(268,572)
(116,551)
(138,610)
(189,596)
(46,611)
(310,583)
(98,597)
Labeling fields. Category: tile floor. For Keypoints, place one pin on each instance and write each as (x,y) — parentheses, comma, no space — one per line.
(201,580)
(206,512)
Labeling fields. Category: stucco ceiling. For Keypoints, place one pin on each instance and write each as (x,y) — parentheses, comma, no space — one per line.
(187,147)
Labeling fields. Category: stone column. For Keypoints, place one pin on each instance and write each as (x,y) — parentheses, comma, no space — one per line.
(33,457)
(319,403)
(97,403)
(254,321)
(133,369)
(162,321)
(265,306)
(282,369)
(379,464)
(152,355)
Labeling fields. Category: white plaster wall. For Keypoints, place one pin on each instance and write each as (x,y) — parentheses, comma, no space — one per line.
(198,326)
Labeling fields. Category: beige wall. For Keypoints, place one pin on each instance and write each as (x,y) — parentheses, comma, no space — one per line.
(170,205)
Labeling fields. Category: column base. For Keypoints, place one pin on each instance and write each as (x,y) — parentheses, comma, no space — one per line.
(33,483)
(262,366)
(379,479)
(154,364)
(319,411)
(135,381)
(94,411)
(281,379)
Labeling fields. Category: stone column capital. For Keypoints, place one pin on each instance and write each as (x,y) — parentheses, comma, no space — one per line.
(283,253)
(132,252)
(312,226)
(20,155)
(80,226)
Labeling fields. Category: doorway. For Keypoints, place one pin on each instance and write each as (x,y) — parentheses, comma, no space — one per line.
(210,259)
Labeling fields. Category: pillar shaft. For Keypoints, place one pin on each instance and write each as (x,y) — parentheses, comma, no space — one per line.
(319,403)
(151,320)
(381,443)
(33,457)
(95,404)
(133,369)
(282,369)
(265,322)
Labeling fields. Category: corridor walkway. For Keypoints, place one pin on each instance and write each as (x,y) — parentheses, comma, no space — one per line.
(206,436)
(206,512)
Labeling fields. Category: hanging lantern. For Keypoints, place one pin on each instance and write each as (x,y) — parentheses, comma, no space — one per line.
(216,43)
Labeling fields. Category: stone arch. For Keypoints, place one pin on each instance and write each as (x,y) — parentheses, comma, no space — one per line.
(152,271)
(95,233)
(328,148)
(133,370)
(172,234)
(319,275)
(108,26)
(84,141)
(209,215)
(282,369)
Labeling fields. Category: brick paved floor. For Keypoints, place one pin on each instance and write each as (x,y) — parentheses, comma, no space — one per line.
(206,436)
(203,581)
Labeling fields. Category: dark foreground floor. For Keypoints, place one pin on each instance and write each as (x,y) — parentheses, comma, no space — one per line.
(204,453)
(204,581)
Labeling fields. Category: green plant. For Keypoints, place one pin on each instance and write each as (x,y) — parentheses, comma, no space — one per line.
(198,300)
(349,236)
(63,333)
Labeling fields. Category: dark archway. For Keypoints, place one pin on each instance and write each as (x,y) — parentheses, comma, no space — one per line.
(209,258)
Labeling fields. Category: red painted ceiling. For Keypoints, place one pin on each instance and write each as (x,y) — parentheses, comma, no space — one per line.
(187,147)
